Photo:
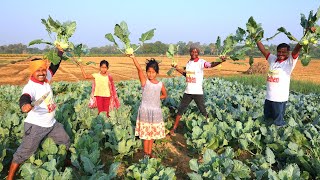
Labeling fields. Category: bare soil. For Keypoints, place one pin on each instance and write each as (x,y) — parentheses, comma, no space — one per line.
(122,68)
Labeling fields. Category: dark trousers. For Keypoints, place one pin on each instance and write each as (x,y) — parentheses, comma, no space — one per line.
(33,135)
(186,100)
(275,111)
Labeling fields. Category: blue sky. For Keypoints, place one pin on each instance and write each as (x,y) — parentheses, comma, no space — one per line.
(175,20)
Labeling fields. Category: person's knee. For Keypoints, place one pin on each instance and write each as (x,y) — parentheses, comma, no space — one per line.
(66,141)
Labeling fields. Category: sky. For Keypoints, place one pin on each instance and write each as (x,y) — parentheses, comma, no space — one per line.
(175,20)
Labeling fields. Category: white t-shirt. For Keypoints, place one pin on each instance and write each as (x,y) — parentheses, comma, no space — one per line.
(278,81)
(194,76)
(42,115)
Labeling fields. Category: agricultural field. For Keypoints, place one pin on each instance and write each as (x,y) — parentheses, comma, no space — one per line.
(236,141)
(14,70)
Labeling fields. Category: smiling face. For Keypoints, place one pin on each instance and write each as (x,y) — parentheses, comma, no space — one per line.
(194,54)
(40,74)
(282,53)
(151,73)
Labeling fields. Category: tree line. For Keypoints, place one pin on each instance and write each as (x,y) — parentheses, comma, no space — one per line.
(156,48)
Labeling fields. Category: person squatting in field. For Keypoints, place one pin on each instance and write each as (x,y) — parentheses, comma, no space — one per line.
(194,78)
(103,95)
(149,124)
(278,80)
(40,121)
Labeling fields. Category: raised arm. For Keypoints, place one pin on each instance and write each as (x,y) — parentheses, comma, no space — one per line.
(142,77)
(163,92)
(86,76)
(54,67)
(262,49)
(296,50)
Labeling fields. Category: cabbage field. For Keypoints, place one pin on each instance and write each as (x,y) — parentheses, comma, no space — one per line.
(233,143)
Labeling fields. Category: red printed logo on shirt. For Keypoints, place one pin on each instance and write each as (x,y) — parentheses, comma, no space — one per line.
(273,76)
(190,77)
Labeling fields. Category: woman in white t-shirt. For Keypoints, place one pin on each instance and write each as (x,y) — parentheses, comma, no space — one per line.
(194,78)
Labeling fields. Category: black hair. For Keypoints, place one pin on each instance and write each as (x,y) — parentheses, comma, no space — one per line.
(104,62)
(152,63)
(193,46)
(283,45)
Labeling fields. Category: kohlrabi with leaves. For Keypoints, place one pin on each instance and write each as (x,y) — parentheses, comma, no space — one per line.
(77,52)
(62,32)
(228,45)
(247,38)
(311,35)
(172,50)
(122,32)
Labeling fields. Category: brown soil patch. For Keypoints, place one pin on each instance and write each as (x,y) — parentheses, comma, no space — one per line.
(122,68)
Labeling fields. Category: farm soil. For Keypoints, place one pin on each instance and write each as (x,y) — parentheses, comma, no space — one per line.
(122,68)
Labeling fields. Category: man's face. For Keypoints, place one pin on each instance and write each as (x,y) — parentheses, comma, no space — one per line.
(40,74)
(194,54)
(282,53)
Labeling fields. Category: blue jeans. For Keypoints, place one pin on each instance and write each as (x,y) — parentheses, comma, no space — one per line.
(275,111)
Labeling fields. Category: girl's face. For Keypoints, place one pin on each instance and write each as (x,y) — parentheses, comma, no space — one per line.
(194,54)
(40,74)
(103,69)
(282,53)
(151,73)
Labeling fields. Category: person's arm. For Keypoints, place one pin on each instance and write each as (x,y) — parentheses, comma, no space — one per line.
(296,50)
(213,64)
(142,77)
(25,103)
(180,70)
(163,92)
(86,76)
(262,49)
(54,67)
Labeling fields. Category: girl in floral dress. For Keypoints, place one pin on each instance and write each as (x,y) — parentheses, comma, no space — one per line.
(149,124)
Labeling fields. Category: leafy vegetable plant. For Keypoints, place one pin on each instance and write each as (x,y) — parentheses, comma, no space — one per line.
(122,32)
(172,50)
(253,33)
(311,36)
(63,31)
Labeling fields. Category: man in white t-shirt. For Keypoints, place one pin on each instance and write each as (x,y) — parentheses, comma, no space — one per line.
(37,101)
(194,78)
(278,80)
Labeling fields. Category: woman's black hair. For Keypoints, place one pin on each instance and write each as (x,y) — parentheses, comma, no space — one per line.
(283,45)
(104,62)
(193,46)
(152,63)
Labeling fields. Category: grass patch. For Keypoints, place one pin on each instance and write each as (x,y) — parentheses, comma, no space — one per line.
(259,81)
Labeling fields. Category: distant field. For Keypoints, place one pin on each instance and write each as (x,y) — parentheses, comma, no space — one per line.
(14,70)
